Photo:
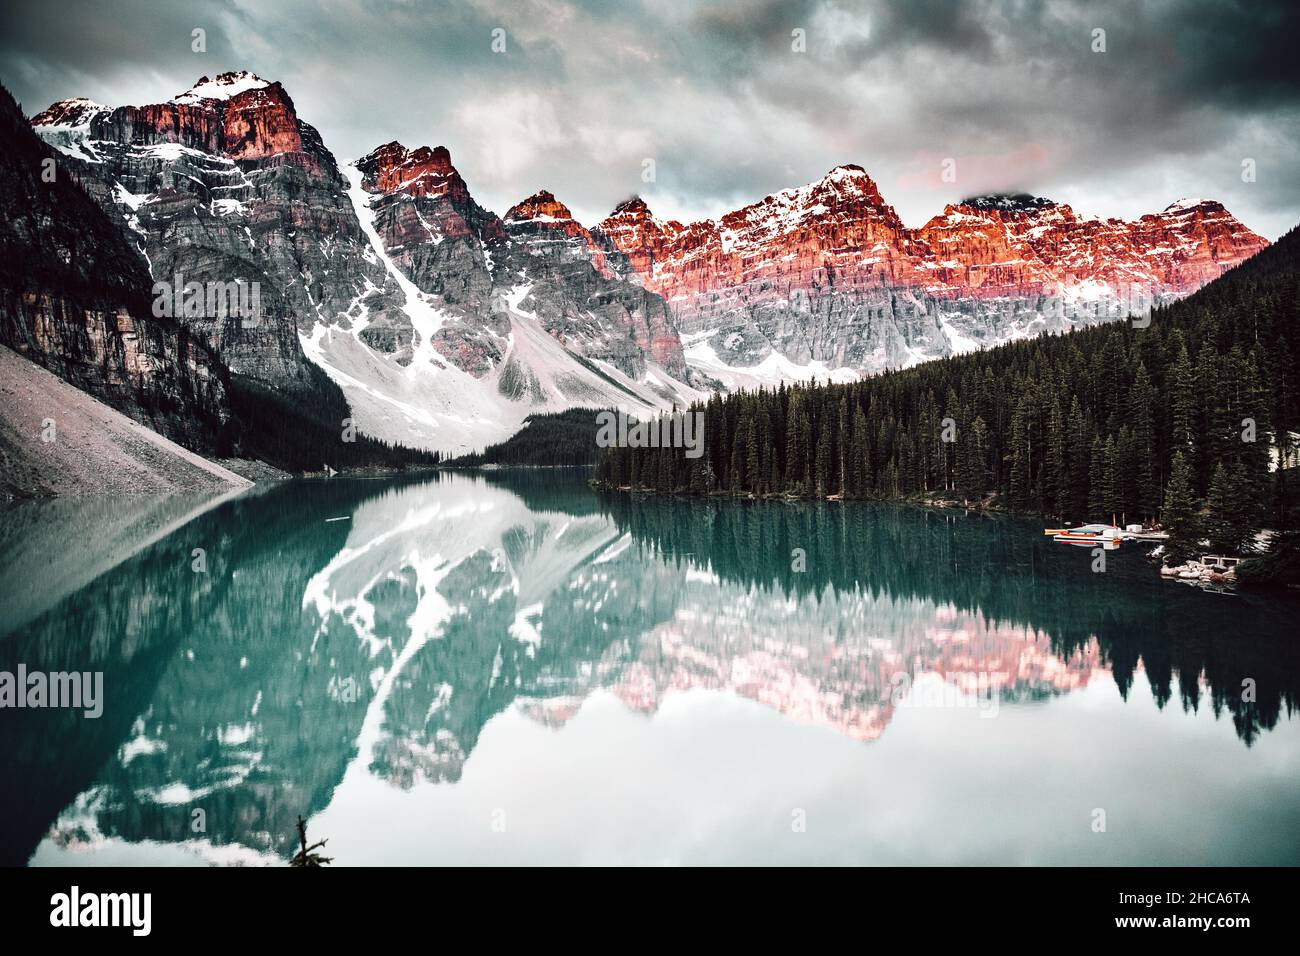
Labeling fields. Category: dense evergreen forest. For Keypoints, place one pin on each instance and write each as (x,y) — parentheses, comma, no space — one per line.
(563,438)
(305,432)
(1173,421)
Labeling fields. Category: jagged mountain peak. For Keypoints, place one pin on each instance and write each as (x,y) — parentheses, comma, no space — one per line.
(845,194)
(847,180)
(541,206)
(633,213)
(846,171)
(222,87)
(1190,205)
(73,113)
(1008,202)
(633,204)
(424,170)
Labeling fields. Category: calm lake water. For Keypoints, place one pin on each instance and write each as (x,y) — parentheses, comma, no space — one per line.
(515,669)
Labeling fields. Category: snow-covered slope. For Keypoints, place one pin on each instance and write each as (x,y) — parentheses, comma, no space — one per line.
(430,402)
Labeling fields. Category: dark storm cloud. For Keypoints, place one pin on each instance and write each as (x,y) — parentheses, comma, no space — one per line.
(587,90)
(963,29)
(1239,53)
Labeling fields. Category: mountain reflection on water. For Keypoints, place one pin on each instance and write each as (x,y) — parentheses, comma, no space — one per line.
(315,657)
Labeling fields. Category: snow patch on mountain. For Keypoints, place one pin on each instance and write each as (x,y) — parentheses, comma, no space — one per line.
(424,317)
(223,87)
(774,369)
(430,403)
(66,127)
(1186,205)
(960,343)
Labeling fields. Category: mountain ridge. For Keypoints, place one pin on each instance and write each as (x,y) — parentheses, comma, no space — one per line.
(828,272)
(395,276)
(441,328)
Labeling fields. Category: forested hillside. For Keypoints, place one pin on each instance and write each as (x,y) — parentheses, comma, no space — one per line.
(1111,420)
(561,438)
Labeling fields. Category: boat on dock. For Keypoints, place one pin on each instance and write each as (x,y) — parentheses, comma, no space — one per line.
(1089,535)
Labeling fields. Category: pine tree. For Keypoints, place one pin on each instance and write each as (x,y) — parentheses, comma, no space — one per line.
(1097,480)
(825,462)
(1212,439)
(1055,477)
(1021,458)
(859,465)
(797,445)
(1146,499)
(760,465)
(1109,485)
(929,450)
(1179,514)
(843,446)
(1079,461)
(971,457)
(1255,451)
(1182,399)
(749,441)
(1220,513)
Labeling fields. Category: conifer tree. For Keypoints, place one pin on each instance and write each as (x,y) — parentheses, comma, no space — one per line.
(1182,399)
(1097,480)
(824,462)
(970,454)
(859,465)
(1021,458)
(1141,420)
(1220,513)
(1079,455)
(1179,514)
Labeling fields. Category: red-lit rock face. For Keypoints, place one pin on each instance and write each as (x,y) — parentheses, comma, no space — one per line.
(224,182)
(419,172)
(642,238)
(238,115)
(1049,249)
(541,206)
(446,208)
(839,235)
(260,123)
(835,232)
(544,225)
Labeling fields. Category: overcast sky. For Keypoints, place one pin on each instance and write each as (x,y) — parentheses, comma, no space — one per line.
(729,111)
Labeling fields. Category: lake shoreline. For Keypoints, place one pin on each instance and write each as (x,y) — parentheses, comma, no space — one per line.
(988,506)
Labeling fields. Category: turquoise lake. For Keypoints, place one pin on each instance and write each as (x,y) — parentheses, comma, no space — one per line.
(511,668)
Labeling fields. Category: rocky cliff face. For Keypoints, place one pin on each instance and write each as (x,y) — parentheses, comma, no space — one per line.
(481,269)
(828,274)
(577,294)
(225,184)
(73,300)
(443,326)
(508,316)
(434,233)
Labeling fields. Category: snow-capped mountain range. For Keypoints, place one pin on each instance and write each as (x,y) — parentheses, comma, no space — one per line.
(828,275)
(446,324)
